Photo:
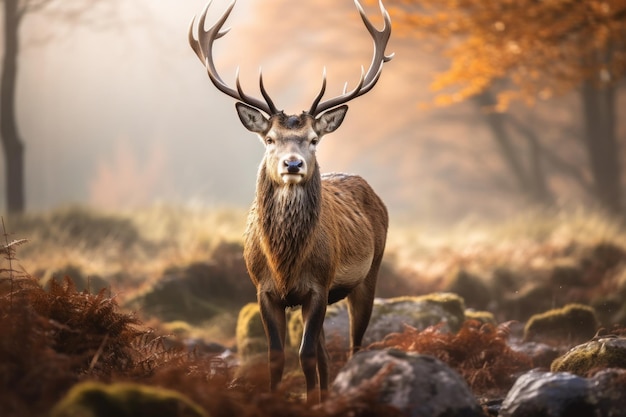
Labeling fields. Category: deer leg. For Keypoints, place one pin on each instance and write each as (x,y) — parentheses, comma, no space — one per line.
(273,317)
(313,313)
(322,363)
(360,303)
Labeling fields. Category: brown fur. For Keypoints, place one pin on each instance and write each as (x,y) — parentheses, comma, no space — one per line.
(311,243)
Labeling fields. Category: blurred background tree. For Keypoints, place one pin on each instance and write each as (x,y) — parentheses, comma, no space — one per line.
(97,14)
(509,50)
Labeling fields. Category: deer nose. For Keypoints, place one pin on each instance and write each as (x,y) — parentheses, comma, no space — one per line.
(293,165)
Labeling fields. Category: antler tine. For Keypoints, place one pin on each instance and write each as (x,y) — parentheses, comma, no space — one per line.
(320,94)
(369,80)
(266,96)
(203,47)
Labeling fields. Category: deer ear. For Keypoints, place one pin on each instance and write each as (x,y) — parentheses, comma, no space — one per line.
(252,119)
(330,120)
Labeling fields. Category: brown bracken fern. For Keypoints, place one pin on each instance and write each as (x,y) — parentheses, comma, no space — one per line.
(478,351)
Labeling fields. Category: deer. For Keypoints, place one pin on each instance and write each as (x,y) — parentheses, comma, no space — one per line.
(311,239)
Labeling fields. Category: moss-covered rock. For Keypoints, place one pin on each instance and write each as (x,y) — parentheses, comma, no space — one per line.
(91,399)
(250,335)
(295,327)
(481,316)
(390,315)
(603,352)
(572,323)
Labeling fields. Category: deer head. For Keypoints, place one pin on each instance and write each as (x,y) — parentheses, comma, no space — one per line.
(290,140)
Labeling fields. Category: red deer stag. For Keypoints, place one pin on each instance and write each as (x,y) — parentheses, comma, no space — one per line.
(311,240)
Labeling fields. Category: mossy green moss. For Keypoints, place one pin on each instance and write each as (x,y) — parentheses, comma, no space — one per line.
(92,399)
(250,335)
(295,327)
(605,352)
(574,322)
(450,303)
(481,316)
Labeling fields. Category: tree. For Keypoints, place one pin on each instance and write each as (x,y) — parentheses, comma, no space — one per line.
(540,49)
(14,13)
(11,140)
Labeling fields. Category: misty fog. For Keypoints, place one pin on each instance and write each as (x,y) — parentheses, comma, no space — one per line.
(125,116)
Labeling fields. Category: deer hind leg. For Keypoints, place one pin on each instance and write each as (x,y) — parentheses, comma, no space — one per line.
(313,313)
(273,317)
(360,304)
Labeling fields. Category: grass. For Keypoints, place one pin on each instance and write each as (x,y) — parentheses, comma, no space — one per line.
(565,256)
(132,249)
(136,245)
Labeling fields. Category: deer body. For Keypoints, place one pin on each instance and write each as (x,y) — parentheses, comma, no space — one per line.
(314,259)
(311,239)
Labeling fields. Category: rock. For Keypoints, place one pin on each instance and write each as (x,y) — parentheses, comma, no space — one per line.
(198,291)
(602,352)
(609,387)
(419,385)
(481,316)
(572,323)
(562,394)
(91,399)
(541,354)
(390,315)
(250,335)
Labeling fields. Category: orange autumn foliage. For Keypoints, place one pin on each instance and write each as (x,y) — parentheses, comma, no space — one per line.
(543,48)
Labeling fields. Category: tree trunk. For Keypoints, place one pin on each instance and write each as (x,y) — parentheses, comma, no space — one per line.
(531,181)
(11,141)
(602,146)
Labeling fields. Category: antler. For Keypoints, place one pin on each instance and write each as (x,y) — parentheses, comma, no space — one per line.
(367,81)
(203,47)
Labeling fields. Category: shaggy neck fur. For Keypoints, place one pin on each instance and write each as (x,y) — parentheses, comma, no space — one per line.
(288,214)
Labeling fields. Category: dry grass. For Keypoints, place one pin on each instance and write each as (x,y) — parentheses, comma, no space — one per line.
(133,250)
(531,239)
(128,248)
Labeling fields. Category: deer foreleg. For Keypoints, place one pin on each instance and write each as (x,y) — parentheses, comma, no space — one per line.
(273,316)
(322,362)
(313,313)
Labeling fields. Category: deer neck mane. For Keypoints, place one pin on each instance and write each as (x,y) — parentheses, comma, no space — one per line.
(288,215)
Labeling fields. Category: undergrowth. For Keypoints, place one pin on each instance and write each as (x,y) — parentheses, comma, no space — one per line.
(478,352)
(51,339)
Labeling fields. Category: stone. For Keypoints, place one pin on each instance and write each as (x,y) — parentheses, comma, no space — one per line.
(92,399)
(561,394)
(389,315)
(572,323)
(199,291)
(602,352)
(249,334)
(418,385)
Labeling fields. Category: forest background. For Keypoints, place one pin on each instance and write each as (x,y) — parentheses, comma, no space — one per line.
(486,109)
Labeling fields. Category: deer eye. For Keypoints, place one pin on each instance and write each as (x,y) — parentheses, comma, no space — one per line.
(314,141)
(269,141)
